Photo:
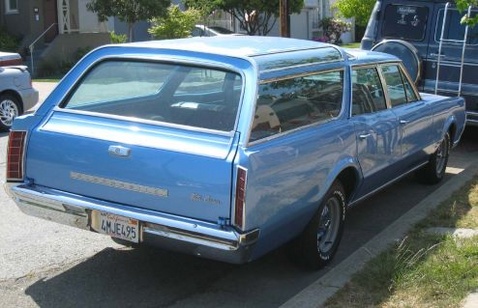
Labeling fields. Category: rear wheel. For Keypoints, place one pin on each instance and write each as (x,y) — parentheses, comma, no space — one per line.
(318,243)
(9,110)
(434,171)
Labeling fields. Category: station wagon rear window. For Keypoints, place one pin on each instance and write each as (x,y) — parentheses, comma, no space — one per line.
(164,92)
(405,22)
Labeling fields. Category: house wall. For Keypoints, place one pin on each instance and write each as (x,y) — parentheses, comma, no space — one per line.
(27,23)
(66,46)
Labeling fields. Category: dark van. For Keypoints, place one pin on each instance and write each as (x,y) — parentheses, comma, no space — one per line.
(440,53)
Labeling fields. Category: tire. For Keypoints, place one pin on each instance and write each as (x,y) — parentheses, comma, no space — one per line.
(10,108)
(434,171)
(318,243)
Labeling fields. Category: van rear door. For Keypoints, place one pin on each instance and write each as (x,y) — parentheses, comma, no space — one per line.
(454,42)
(405,31)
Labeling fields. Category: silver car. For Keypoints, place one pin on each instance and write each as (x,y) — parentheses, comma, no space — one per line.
(16,92)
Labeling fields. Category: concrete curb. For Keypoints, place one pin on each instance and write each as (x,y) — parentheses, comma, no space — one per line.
(317,293)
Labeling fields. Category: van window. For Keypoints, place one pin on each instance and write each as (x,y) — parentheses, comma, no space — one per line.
(454,30)
(405,22)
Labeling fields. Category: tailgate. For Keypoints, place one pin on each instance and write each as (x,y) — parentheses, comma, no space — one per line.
(160,168)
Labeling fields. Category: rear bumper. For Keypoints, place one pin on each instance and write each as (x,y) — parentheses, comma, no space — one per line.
(176,233)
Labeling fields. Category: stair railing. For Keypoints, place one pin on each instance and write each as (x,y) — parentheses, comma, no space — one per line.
(32,46)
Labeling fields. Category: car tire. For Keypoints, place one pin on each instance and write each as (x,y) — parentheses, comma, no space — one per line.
(318,243)
(10,108)
(434,171)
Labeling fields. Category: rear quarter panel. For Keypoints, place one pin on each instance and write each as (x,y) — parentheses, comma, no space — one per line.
(288,176)
(448,115)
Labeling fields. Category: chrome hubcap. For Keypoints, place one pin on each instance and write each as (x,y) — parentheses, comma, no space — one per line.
(328,225)
(441,156)
(8,112)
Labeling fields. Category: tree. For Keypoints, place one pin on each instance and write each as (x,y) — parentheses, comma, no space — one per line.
(463,5)
(254,16)
(129,11)
(176,24)
(333,29)
(205,7)
(360,9)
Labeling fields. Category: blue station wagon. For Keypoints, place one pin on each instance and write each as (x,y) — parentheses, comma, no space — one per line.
(226,147)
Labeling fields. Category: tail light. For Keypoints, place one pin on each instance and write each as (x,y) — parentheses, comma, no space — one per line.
(15,155)
(240,204)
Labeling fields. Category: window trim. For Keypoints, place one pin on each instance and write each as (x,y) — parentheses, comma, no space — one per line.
(378,69)
(9,9)
(404,74)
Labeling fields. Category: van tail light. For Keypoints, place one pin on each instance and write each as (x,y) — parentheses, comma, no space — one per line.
(240,204)
(15,155)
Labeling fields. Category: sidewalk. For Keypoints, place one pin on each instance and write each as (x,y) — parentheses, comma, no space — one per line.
(317,293)
(471,301)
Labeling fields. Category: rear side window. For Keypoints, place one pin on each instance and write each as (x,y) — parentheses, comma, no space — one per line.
(163,92)
(367,91)
(405,22)
(292,103)
(453,29)
(399,88)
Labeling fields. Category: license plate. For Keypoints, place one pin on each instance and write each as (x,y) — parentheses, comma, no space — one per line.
(116,226)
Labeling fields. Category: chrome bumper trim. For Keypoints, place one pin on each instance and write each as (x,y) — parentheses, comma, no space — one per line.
(181,234)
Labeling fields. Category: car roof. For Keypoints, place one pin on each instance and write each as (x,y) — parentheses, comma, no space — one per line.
(245,46)
(270,53)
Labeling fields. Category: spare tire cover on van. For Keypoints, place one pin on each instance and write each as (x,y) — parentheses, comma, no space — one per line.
(406,52)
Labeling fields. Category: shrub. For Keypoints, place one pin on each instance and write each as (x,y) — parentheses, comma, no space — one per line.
(8,42)
(333,29)
(118,38)
(176,24)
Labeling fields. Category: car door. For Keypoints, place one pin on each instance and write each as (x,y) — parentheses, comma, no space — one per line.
(377,130)
(414,115)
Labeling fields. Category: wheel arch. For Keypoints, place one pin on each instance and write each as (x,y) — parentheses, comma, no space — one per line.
(349,178)
(450,126)
(17,96)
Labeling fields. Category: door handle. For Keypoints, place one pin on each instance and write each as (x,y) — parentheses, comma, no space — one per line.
(364,136)
(403,122)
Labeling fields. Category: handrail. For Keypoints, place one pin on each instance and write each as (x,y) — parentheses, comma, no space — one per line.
(31,46)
